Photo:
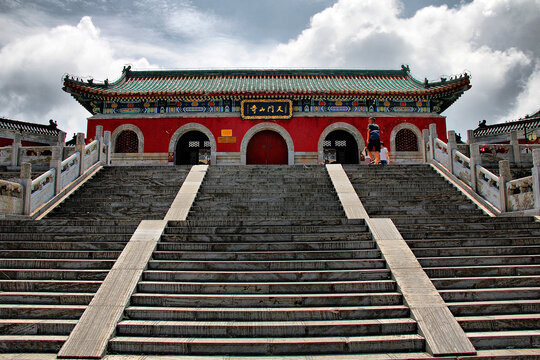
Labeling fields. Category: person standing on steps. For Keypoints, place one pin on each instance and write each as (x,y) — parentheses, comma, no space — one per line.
(385,155)
(374,141)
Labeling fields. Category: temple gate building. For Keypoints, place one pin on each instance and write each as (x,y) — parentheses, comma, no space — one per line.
(262,116)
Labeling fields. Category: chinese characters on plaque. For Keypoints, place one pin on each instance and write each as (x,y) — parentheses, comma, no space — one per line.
(266,109)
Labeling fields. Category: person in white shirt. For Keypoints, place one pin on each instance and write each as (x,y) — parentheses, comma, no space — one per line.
(385,154)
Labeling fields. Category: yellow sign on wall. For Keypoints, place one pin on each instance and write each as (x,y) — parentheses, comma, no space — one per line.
(226,132)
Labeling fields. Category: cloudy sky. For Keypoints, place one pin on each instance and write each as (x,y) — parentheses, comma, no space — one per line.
(496,41)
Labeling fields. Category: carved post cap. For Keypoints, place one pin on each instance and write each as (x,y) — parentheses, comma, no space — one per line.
(107,137)
(79,139)
(452,138)
(26,170)
(56,153)
(470,137)
(61,137)
(504,170)
(99,132)
(425,136)
(433,130)
(536,158)
(513,137)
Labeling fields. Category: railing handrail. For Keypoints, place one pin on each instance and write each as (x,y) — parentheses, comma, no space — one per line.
(462,156)
(67,160)
(520,180)
(488,173)
(11,183)
(91,144)
(442,143)
(43,176)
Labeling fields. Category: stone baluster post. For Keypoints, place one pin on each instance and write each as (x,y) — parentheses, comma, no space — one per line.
(26,182)
(107,143)
(515,147)
(15,148)
(99,138)
(536,178)
(474,152)
(79,147)
(452,147)
(61,143)
(432,137)
(425,142)
(56,163)
(504,176)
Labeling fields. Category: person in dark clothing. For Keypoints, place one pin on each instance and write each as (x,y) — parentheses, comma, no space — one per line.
(374,141)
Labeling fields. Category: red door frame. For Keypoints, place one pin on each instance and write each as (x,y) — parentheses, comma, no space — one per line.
(267,147)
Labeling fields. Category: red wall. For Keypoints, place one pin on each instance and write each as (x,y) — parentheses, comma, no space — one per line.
(305,131)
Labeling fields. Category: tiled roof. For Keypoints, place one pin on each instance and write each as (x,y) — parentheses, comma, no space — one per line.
(168,84)
(26,127)
(505,128)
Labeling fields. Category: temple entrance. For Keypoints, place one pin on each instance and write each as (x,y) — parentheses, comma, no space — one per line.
(267,148)
(193,148)
(340,147)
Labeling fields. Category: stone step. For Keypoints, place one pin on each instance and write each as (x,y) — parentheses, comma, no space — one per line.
(54,254)
(36,326)
(500,322)
(36,311)
(264,221)
(62,245)
(90,238)
(68,230)
(31,343)
(265,346)
(266,314)
(46,298)
(479,260)
(495,307)
(265,255)
(481,271)
(266,229)
(312,287)
(266,246)
(267,238)
(258,329)
(266,300)
(267,276)
(271,265)
(498,294)
(477,250)
(505,339)
(486,282)
(49,285)
(56,264)
(471,242)
(419,234)
(52,274)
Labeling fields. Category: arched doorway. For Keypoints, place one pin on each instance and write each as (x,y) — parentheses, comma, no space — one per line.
(340,147)
(267,148)
(127,142)
(406,140)
(193,148)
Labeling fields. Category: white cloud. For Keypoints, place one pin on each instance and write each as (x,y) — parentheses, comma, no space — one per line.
(33,67)
(435,41)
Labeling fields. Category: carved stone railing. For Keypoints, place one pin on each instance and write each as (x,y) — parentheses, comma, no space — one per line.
(27,196)
(35,155)
(500,191)
(5,155)
(42,189)
(69,170)
(11,197)
(520,194)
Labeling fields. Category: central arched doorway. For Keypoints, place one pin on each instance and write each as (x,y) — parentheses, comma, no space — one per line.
(267,148)
(193,148)
(340,147)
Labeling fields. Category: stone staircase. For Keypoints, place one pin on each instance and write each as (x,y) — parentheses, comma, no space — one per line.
(486,269)
(51,268)
(130,192)
(266,264)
